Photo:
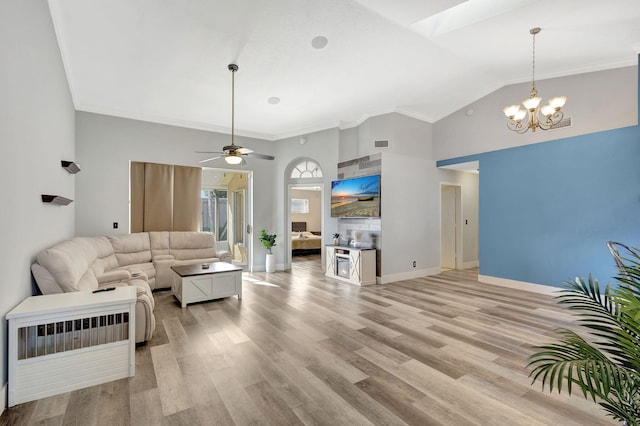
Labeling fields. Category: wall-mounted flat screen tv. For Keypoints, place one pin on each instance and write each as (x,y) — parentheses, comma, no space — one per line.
(356,197)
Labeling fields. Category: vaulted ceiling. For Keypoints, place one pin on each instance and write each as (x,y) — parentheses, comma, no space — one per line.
(166,60)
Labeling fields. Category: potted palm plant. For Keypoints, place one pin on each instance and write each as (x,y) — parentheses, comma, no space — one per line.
(268,241)
(605,366)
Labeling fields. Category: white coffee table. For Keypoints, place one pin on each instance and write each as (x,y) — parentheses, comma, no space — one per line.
(193,283)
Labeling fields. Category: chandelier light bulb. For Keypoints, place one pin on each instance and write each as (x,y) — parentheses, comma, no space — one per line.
(558,102)
(547,110)
(511,110)
(531,103)
(520,115)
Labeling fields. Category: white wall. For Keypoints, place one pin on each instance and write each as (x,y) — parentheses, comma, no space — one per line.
(597,101)
(36,132)
(410,193)
(106,144)
(348,144)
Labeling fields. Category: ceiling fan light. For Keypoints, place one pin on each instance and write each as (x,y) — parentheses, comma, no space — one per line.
(233,159)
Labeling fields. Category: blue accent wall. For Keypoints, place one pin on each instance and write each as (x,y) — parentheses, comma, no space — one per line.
(548,209)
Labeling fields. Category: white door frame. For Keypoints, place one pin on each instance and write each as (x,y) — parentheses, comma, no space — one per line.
(249,221)
(459,228)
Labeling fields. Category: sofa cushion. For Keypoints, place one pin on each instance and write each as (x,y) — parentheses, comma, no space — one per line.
(105,258)
(68,263)
(46,282)
(146,268)
(192,245)
(159,243)
(131,249)
(88,281)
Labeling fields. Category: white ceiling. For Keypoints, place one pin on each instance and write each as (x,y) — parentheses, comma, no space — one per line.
(166,60)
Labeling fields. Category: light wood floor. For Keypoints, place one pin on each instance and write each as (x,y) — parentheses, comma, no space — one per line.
(303,349)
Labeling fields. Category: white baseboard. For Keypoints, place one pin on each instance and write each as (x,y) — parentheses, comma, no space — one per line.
(519,285)
(3,394)
(470,265)
(386,279)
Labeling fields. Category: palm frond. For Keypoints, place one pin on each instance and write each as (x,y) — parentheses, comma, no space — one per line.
(607,369)
(574,360)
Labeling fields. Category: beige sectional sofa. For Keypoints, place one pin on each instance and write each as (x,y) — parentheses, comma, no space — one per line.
(142,260)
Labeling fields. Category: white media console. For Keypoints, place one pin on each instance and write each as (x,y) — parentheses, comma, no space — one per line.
(351,264)
(67,341)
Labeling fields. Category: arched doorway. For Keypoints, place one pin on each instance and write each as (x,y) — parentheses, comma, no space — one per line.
(305,199)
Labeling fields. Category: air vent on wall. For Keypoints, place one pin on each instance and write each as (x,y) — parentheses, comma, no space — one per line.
(381,144)
(565,122)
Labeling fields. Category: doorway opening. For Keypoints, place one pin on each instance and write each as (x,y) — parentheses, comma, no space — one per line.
(226,211)
(304,210)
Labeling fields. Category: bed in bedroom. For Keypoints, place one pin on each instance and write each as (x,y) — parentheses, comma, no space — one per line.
(303,241)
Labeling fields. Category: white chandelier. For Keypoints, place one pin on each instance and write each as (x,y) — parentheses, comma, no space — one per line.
(551,113)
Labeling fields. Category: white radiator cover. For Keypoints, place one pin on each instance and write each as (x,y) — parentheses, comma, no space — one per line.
(40,366)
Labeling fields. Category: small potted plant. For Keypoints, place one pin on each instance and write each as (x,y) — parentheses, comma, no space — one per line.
(268,241)
(336,238)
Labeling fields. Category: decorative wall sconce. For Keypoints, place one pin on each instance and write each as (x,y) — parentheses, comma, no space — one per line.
(55,199)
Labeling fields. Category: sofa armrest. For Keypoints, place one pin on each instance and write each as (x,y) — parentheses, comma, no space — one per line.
(145,320)
(162,264)
(224,256)
(137,274)
(113,276)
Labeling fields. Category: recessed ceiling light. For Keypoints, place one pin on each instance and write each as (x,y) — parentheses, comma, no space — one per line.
(319,42)
(273,100)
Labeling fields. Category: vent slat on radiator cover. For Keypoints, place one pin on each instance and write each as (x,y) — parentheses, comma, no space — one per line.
(62,336)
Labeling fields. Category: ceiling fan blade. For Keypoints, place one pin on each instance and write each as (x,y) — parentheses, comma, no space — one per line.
(261,156)
(210,159)
(209,152)
(244,150)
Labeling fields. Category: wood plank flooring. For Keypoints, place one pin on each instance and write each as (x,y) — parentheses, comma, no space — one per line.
(300,348)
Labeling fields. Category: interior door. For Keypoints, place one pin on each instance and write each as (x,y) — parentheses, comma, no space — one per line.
(448,227)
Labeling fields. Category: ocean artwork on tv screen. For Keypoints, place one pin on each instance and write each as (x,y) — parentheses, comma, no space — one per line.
(356,197)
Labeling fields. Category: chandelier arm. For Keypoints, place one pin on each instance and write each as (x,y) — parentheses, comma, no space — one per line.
(551,121)
(516,126)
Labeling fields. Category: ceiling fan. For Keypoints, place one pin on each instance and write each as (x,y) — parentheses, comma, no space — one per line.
(234,154)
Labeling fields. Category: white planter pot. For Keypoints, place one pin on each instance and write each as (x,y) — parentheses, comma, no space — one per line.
(271,263)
